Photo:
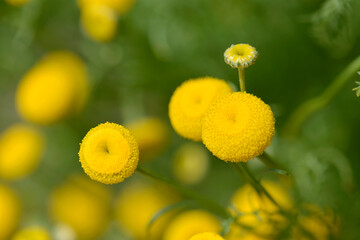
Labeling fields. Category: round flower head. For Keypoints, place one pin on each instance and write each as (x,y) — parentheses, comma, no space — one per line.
(152,135)
(99,22)
(83,205)
(121,7)
(240,55)
(21,148)
(206,236)
(189,223)
(238,127)
(136,205)
(190,102)
(32,233)
(10,212)
(191,163)
(53,89)
(109,153)
(17,3)
(258,213)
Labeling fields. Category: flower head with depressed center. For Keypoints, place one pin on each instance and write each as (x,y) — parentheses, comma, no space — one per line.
(240,55)
(109,153)
(238,127)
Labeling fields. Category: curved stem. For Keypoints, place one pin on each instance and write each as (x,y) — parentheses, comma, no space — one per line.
(309,107)
(268,161)
(203,201)
(241,71)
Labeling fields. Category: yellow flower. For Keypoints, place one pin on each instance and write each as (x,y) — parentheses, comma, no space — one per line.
(10,212)
(190,102)
(99,22)
(240,55)
(83,205)
(53,89)
(152,135)
(238,127)
(136,205)
(319,223)
(21,148)
(191,222)
(17,3)
(109,153)
(258,213)
(191,163)
(32,233)
(206,236)
(120,6)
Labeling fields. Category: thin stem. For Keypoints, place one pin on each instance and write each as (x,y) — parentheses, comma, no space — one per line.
(203,201)
(309,107)
(241,71)
(268,161)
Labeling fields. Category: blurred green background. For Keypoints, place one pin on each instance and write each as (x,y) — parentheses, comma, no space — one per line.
(303,45)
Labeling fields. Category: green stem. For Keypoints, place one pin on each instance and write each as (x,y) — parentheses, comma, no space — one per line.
(241,71)
(268,161)
(309,107)
(203,201)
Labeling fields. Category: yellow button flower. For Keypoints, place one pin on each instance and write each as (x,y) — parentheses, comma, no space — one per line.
(240,55)
(207,236)
(190,102)
(17,3)
(109,153)
(83,205)
(191,222)
(152,135)
(99,22)
(120,6)
(53,89)
(136,205)
(238,127)
(258,213)
(21,148)
(191,163)
(32,233)
(10,212)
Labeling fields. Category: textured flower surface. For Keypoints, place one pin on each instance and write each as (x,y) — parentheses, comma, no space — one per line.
(83,205)
(136,205)
(9,212)
(258,213)
(32,233)
(191,222)
(238,127)
(206,236)
(240,55)
(190,102)
(53,89)
(109,153)
(120,6)
(21,148)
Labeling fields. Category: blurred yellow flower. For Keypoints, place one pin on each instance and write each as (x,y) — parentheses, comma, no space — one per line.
(319,223)
(109,153)
(99,22)
(53,89)
(17,3)
(240,55)
(206,236)
(152,135)
(83,205)
(32,233)
(136,205)
(258,213)
(191,100)
(21,148)
(9,212)
(189,223)
(238,127)
(190,163)
(120,6)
